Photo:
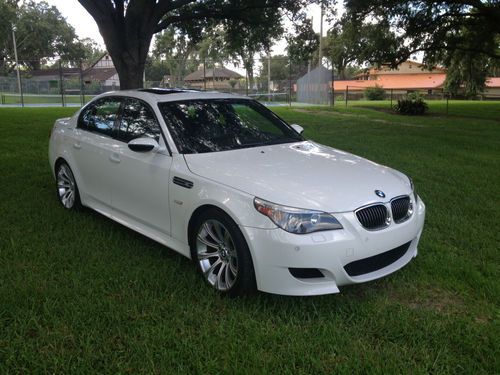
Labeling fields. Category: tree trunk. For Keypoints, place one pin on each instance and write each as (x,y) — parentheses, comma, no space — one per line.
(248,64)
(128,45)
(130,71)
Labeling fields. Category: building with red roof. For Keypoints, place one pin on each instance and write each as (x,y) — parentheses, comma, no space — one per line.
(409,76)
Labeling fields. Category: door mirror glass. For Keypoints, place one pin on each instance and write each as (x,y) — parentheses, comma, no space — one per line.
(299,129)
(144,144)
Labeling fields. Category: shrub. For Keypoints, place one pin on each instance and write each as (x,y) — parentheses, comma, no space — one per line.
(413,104)
(374,93)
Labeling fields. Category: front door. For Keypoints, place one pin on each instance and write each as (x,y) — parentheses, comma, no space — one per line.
(141,179)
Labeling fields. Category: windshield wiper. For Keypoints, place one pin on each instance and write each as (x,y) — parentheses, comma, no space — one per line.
(266,143)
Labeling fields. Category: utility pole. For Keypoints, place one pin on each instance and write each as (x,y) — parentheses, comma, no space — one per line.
(321,35)
(19,86)
(269,76)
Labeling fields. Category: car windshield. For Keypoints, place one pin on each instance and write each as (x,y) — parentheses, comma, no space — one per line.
(199,126)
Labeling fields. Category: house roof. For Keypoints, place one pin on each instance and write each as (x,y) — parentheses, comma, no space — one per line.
(99,74)
(493,82)
(212,73)
(420,69)
(54,72)
(395,81)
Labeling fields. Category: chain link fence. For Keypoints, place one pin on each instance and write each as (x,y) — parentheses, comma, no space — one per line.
(273,81)
(73,83)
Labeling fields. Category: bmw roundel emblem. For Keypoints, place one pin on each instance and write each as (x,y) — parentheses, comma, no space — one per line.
(380,193)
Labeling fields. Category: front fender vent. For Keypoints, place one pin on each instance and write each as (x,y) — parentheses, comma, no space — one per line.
(182,182)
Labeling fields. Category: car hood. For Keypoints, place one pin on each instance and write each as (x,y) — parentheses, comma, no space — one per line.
(305,175)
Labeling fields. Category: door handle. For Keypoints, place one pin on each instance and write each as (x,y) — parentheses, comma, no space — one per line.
(115,158)
(77,145)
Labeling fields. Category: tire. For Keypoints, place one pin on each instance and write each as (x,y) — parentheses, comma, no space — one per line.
(66,187)
(221,253)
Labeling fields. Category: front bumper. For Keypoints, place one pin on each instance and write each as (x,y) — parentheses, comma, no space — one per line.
(275,251)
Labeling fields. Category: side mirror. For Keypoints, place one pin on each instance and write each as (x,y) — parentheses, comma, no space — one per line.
(299,129)
(143,144)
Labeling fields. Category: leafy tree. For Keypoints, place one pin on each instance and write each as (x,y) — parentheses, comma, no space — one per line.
(466,72)
(254,41)
(175,48)
(128,26)
(374,93)
(155,69)
(444,31)
(280,71)
(7,16)
(303,43)
(349,43)
(435,26)
(41,32)
(280,67)
(90,51)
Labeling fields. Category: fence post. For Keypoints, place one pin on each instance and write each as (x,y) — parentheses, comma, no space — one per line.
(346,95)
(246,81)
(447,102)
(333,87)
(204,74)
(61,87)
(290,82)
(391,98)
(82,87)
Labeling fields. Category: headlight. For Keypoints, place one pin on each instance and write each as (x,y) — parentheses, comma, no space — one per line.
(296,220)
(415,196)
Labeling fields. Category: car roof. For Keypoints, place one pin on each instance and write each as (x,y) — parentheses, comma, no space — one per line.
(173,94)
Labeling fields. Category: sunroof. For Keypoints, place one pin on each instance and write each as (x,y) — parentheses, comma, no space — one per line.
(161,91)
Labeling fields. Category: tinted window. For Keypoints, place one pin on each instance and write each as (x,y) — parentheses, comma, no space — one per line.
(138,120)
(223,124)
(100,117)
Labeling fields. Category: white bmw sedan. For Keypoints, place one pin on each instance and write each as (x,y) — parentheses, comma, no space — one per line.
(222,180)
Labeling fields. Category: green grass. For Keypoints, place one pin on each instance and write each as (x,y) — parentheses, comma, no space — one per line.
(82,294)
(42,99)
(456,108)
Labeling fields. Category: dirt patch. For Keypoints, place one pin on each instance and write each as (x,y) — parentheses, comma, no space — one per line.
(316,112)
(435,299)
(381,121)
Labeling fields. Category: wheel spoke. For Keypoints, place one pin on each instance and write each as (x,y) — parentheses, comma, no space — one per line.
(207,255)
(234,266)
(206,242)
(206,226)
(218,231)
(212,267)
(227,275)
(220,284)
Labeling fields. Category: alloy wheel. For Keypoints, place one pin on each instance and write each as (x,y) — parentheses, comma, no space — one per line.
(217,254)
(66,187)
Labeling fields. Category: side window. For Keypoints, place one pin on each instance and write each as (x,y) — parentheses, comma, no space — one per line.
(138,120)
(100,116)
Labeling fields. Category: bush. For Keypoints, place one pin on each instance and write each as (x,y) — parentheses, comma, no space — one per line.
(413,105)
(375,93)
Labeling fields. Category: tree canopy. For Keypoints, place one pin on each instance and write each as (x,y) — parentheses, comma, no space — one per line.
(42,33)
(127,26)
(462,35)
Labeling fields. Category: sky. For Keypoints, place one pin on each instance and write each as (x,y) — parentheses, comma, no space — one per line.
(86,27)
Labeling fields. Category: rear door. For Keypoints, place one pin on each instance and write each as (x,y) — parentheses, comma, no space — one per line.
(92,148)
